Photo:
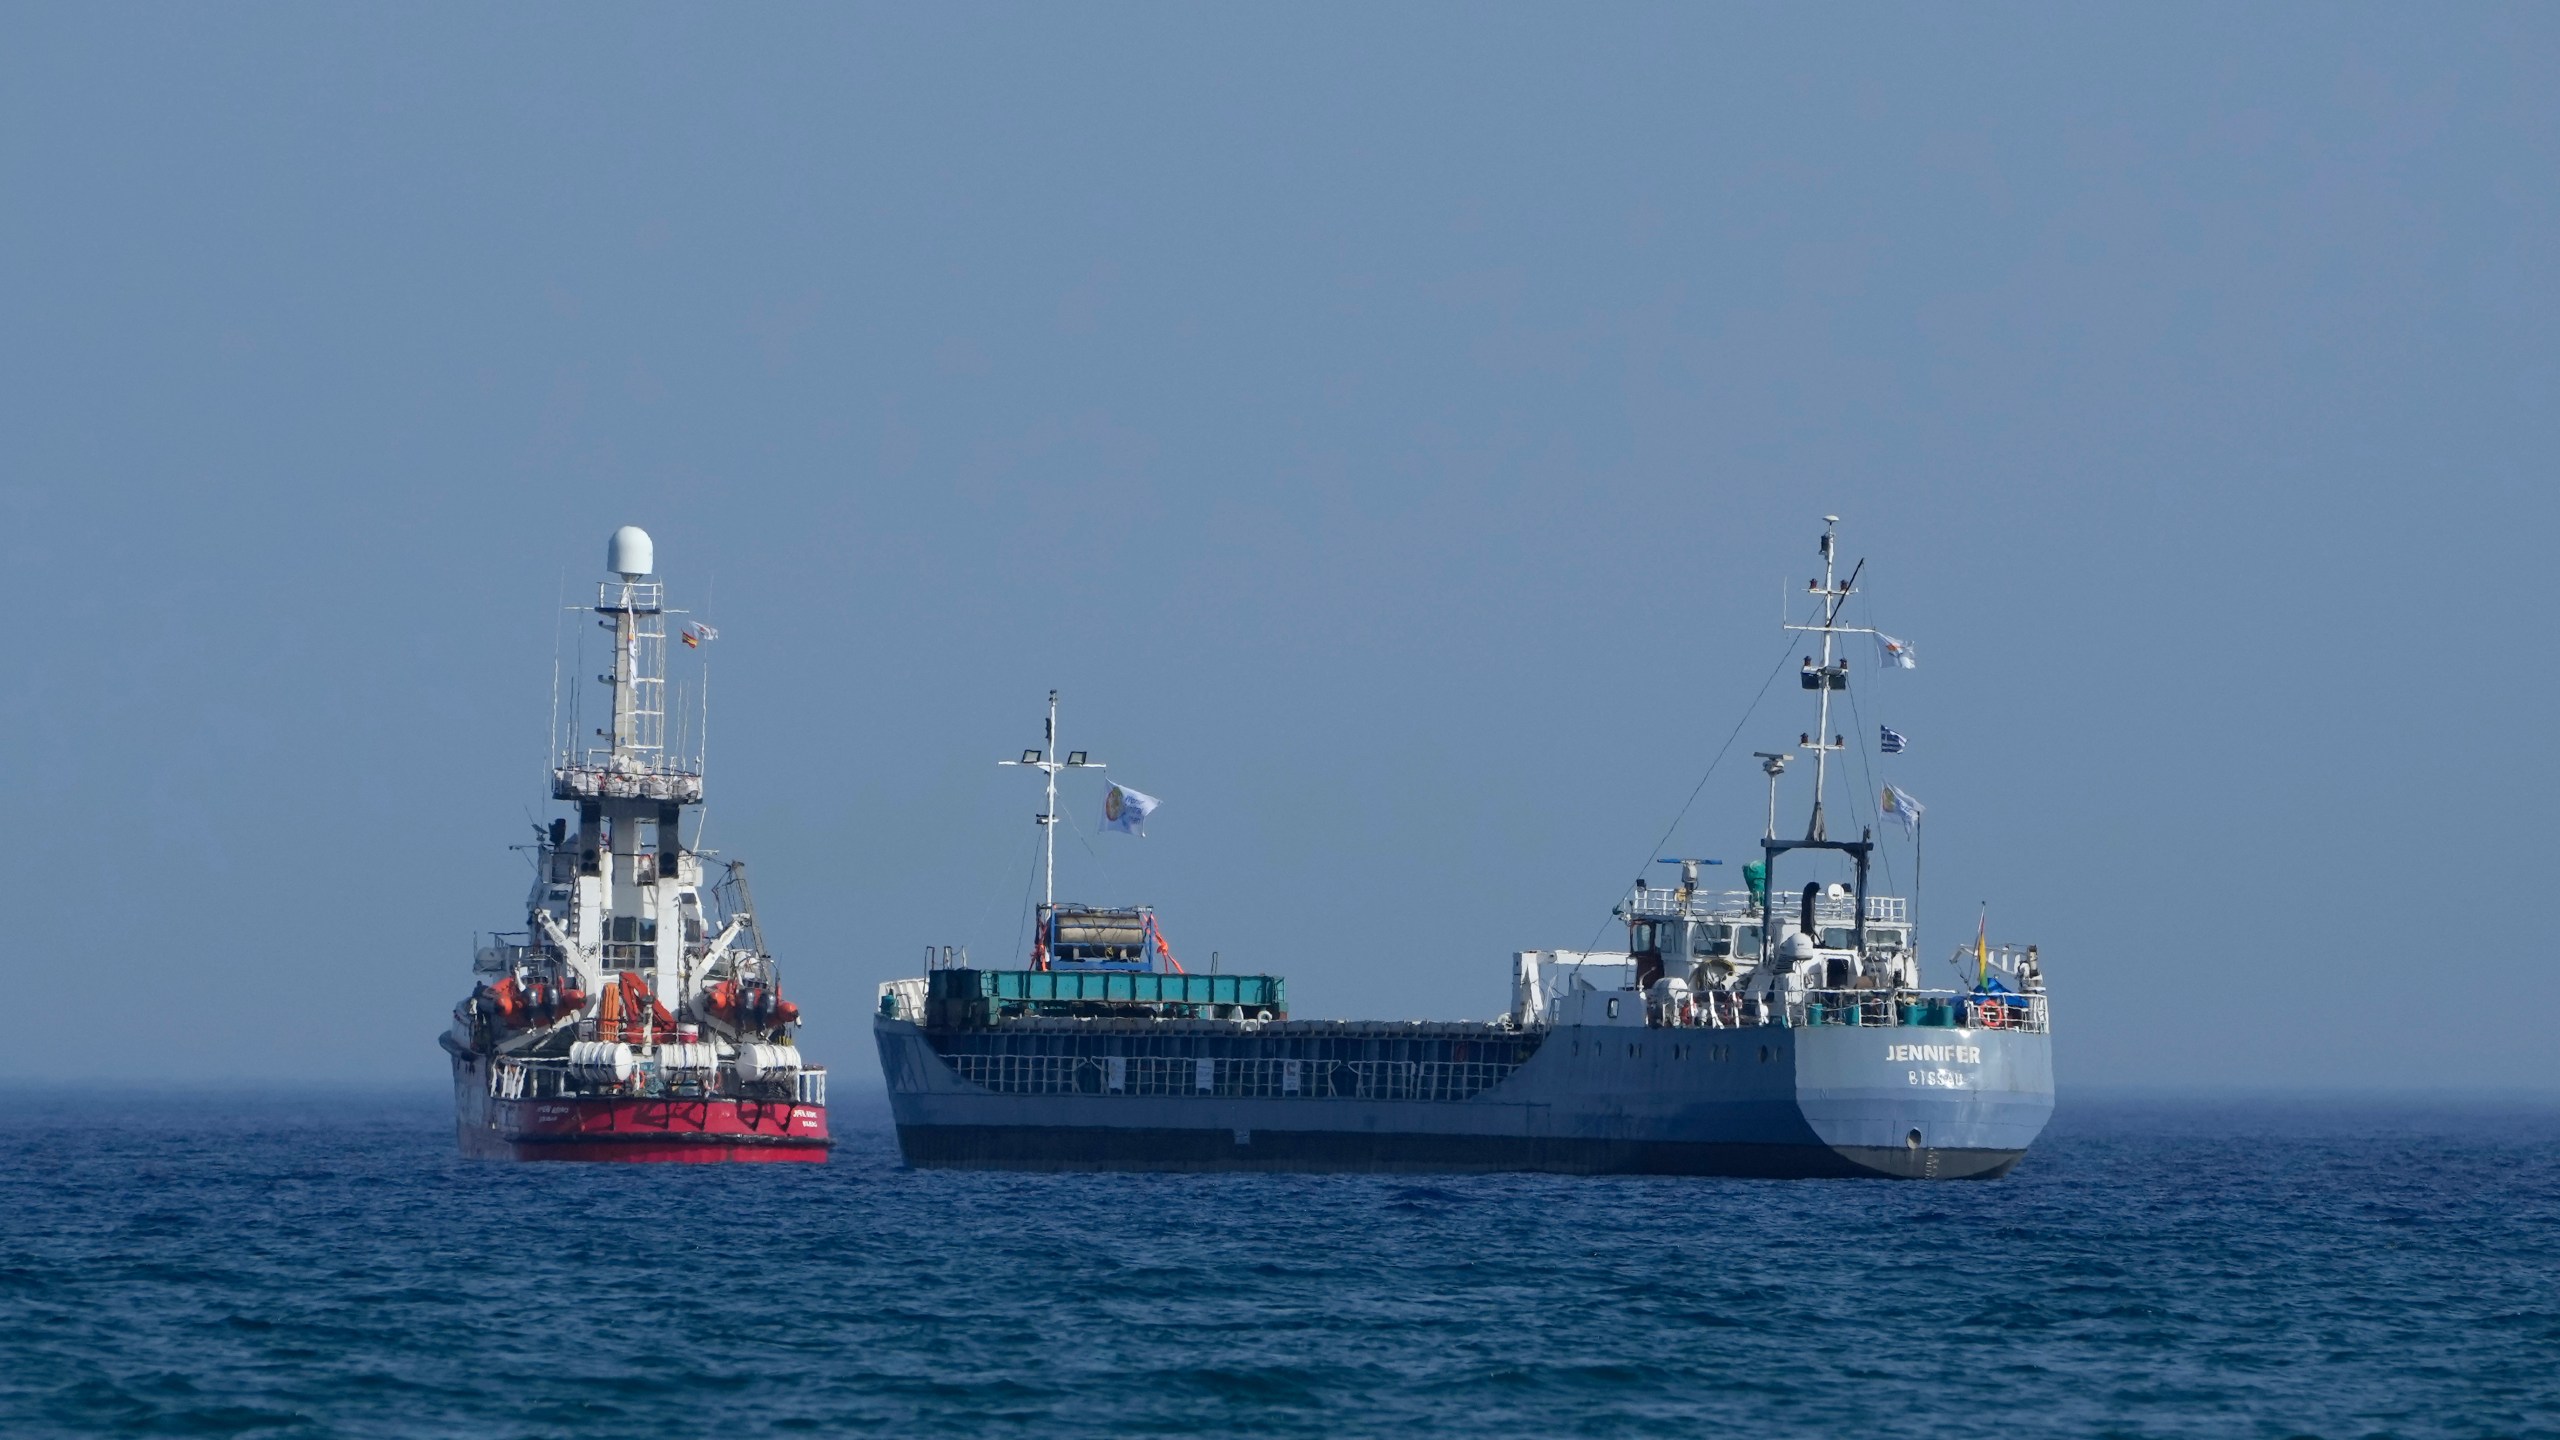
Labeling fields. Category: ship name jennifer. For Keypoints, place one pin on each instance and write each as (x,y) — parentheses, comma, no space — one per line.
(1957,1054)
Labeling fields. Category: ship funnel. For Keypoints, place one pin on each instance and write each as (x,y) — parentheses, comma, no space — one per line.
(630,554)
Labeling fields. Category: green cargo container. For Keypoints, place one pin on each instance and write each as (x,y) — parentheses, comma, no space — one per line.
(1043,988)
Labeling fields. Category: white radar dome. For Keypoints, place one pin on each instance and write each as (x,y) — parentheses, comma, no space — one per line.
(630,555)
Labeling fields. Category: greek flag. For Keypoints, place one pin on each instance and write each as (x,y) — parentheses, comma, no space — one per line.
(1894,744)
(1126,811)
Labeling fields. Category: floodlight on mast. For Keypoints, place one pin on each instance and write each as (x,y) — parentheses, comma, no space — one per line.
(1044,760)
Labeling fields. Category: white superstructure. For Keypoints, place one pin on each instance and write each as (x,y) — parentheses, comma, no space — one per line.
(636,971)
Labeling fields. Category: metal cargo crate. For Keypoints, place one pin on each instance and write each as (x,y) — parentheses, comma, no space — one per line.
(1048,987)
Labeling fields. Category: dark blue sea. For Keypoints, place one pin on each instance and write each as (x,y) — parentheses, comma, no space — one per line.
(243,1265)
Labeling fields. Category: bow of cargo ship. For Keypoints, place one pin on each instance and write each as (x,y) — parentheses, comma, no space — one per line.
(638,1016)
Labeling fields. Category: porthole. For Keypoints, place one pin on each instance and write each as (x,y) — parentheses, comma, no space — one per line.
(1912,1140)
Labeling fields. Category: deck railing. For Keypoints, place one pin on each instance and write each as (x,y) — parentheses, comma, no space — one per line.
(1925,1009)
(554,1080)
(1880,1009)
(1656,901)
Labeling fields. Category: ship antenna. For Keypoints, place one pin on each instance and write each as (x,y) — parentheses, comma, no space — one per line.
(1825,679)
(559,612)
(702,759)
(702,753)
(1046,761)
(1833,674)
(1772,765)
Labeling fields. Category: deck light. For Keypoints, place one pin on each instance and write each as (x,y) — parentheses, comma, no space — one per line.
(1075,757)
(1030,757)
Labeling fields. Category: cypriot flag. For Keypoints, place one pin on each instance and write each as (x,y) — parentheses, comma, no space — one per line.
(1895,654)
(1898,805)
(1126,811)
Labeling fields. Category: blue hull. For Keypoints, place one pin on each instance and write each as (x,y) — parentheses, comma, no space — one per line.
(1801,1102)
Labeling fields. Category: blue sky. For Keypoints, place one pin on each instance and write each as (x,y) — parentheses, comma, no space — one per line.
(1392,427)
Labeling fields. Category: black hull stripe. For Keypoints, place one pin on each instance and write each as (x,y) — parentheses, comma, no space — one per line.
(1028,1147)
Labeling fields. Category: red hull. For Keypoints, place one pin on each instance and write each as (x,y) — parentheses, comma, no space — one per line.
(682,1131)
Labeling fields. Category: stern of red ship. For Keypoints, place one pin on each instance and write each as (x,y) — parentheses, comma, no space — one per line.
(636,1129)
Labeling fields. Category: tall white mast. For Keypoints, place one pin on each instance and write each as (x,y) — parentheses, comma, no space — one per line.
(1831,593)
(1049,808)
(626,784)
(1822,725)
(1046,761)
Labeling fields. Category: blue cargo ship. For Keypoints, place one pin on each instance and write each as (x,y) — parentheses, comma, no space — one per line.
(1775,1030)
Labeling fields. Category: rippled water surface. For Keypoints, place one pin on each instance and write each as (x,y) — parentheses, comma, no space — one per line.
(246,1266)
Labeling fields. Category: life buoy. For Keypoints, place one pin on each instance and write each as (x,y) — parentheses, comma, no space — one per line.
(1992,1013)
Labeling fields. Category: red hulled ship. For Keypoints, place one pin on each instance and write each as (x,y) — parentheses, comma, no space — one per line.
(638,1015)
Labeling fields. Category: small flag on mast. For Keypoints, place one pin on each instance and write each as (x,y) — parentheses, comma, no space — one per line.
(1894,743)
(697,635)
(1982,949)
(1126,811)
(1895,654)
(1898,805)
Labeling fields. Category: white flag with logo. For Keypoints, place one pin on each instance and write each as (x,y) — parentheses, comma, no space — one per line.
(1898,805)
(1126,811)
(1895,654)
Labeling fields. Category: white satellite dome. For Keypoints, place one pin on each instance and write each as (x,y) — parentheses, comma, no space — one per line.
(630,554)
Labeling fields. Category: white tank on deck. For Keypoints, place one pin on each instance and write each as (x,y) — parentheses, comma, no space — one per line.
(630,554)
(762,1062)
(687,1062)
(605,1062)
